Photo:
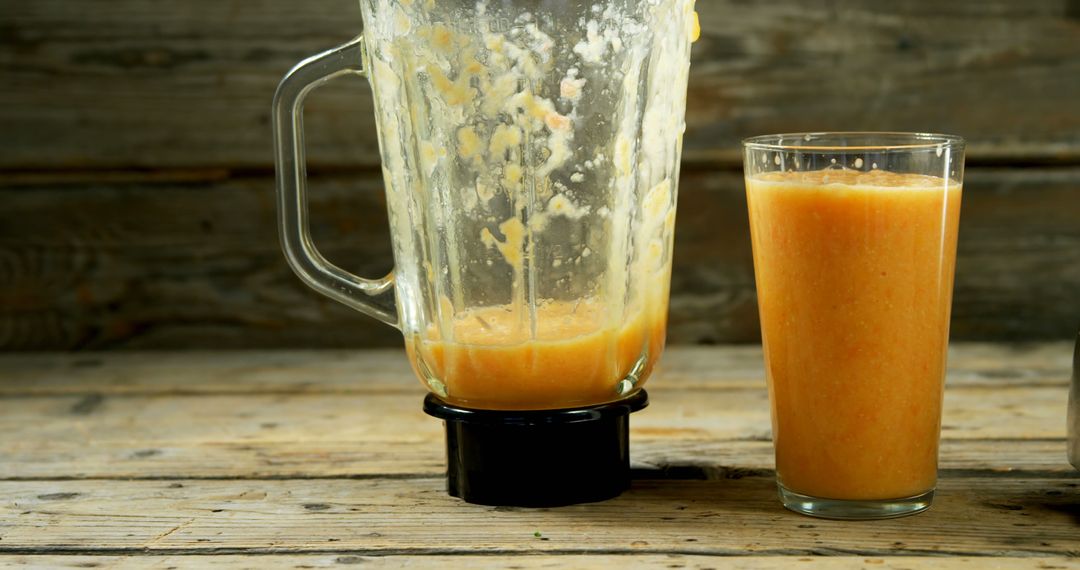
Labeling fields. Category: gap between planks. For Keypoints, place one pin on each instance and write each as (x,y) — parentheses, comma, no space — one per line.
(676,473)
(525,562)
(469,561)
(388,371)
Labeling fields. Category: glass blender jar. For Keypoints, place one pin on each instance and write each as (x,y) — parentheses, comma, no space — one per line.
(530,153)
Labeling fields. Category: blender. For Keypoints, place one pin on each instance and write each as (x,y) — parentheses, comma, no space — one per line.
(530,153)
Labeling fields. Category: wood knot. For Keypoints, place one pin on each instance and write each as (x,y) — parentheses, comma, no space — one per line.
(57,496)
(87,405)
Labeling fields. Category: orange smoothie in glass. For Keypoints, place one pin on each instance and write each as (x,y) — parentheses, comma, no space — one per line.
(854,277)
(575,357)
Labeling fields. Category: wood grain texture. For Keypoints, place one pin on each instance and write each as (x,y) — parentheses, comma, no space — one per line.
(197,264)
(519,562)
(313,459)
(661,453)
(135,162)
(140,84)
(971,516)
(357,414)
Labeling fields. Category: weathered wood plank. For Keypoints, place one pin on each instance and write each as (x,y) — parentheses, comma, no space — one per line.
(387,370)
(972,516)
(519,562)
(197,265)
(137,84)
(367,464)
(688,432)
(741,414)
(180,262)
(652,456)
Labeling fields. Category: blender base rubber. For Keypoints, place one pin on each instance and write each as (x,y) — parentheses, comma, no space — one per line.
(543,458)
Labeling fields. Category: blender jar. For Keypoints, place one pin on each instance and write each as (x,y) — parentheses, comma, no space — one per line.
(530,153)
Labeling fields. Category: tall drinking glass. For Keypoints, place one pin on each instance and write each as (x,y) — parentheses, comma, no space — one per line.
(854,238)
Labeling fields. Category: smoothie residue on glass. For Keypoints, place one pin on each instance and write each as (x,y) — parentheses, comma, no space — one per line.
(528,134)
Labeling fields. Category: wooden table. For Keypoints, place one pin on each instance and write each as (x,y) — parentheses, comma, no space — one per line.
(324,459)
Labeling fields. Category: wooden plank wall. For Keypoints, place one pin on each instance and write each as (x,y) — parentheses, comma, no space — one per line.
(136,182)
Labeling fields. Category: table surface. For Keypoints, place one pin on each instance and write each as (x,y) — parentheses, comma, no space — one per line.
(323,459)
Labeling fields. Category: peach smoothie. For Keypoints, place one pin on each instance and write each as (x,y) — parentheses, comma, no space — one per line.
(854,278)
(575,357)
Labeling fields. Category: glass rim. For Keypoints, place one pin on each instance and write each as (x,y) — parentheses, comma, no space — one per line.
(903,141)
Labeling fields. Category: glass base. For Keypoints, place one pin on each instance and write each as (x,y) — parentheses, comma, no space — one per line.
(854,510)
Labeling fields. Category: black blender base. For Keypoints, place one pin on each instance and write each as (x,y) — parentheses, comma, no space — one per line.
(545,458)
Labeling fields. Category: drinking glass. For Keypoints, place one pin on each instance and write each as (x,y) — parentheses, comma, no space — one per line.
(854,240)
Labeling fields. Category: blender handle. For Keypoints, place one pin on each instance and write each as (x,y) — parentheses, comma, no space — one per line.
(374,297)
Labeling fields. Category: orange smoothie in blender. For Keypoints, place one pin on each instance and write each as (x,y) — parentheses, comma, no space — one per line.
(538,353)
(575,357)
(854,276)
